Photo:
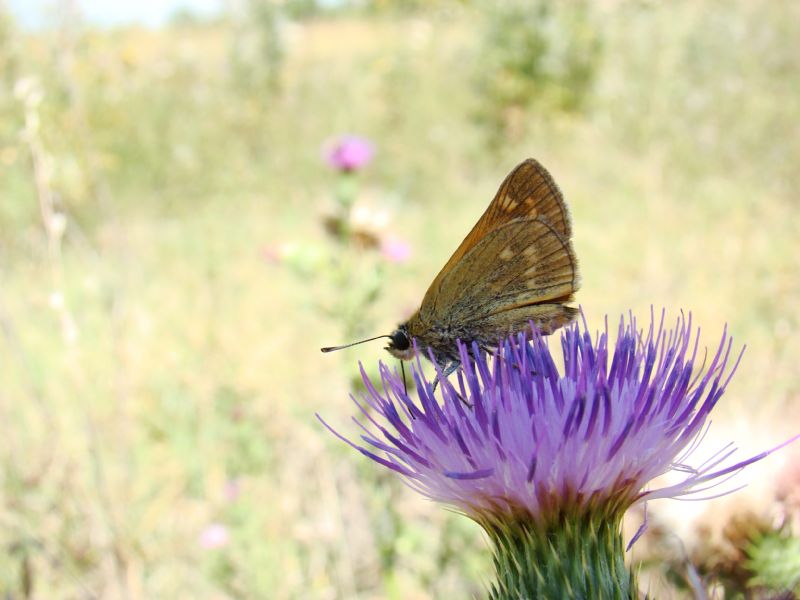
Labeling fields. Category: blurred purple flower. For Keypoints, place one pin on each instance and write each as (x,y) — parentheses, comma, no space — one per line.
(214,536)
(517,438)
(396,250)
(349,153)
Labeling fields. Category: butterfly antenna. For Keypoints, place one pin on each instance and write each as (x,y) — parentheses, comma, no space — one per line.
(335,348)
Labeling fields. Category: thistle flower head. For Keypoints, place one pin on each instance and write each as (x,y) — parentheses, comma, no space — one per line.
(516,436)
(396,250)
(349,153)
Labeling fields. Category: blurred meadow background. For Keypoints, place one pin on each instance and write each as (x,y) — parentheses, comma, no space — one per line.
(175,247)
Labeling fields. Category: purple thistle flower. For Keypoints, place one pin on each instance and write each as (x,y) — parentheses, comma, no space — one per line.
(349,153)
(517,438)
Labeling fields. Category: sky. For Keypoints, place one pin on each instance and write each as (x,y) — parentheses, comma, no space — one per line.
(34,14)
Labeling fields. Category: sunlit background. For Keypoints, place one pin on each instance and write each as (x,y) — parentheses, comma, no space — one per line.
(177,241)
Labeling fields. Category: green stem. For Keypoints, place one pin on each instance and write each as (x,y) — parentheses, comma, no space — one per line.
(347,189)
(576,557)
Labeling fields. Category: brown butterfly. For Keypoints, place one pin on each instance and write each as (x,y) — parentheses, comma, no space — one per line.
(515,267)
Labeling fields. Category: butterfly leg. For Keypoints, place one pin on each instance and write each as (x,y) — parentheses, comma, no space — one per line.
(447,369)
(533,372)
(493,351)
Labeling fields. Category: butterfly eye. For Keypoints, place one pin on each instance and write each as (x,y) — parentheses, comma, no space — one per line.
(400,340)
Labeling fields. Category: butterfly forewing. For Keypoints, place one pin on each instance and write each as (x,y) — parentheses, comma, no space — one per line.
(527,192)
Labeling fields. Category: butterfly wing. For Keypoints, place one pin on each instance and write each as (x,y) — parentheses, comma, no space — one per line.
(517,254)
(527,192)
(519,265)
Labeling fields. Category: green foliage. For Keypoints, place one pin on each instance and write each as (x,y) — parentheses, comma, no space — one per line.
(717,84)
(774,559)
(540,57)
(257,48)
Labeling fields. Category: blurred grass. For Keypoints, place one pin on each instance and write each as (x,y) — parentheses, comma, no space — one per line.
(152,359)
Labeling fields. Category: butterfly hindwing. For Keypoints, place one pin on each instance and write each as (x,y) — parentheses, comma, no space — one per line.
(530,263)
(546,317)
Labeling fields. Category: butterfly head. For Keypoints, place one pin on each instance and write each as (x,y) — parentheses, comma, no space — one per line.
(400,344)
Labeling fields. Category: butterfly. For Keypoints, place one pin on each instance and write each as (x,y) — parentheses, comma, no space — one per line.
(515,267)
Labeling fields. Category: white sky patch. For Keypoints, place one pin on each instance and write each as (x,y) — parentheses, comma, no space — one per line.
(35,14)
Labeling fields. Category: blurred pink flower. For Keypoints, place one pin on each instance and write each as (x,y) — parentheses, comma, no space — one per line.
(349,153)
(232,490)
(214,536)
(396,250)
(272,254)
(788,481)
